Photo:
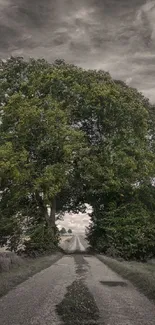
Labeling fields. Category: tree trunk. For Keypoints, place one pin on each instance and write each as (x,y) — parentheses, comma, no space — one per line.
(53,214)
(43,208)
(46,216)
(50,220)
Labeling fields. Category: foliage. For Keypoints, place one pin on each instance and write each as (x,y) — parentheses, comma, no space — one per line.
(42,240)
(38,143)
(10,232)
(70,231)
(127,231)
(70,136)
(63,231)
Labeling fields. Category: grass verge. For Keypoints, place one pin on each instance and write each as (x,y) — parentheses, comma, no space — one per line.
(26,268)
(141,275)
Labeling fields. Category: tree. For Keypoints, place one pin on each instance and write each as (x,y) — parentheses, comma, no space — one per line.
(63,231)
(70,231)
(116,120)
(37,146)
(70,137)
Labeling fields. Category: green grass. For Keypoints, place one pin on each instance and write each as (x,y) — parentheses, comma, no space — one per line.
(26,268)
(141,275)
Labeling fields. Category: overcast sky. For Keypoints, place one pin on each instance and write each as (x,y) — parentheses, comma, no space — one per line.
(114,35)
(76,222)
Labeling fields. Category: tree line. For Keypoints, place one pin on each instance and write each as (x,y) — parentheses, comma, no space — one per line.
(71,137)
(63,231)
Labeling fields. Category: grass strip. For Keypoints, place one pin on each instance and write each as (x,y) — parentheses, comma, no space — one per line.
(141,275)
(20,273)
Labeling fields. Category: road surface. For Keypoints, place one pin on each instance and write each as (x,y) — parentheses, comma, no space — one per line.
(77,243)
(76,290)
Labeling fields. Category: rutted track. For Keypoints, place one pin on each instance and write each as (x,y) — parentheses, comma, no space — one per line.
(77,244)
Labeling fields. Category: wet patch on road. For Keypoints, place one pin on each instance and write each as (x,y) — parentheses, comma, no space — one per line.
(78,306)
(114,283)
(81,266)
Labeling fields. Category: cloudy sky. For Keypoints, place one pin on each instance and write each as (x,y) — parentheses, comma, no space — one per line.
(76,222)
(114,35)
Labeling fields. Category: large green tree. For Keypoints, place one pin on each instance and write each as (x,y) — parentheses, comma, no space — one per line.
(71,136)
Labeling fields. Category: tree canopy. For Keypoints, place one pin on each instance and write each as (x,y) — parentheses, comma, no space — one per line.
(70,137)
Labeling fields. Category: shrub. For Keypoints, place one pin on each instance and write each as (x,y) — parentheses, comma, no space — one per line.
(128,232)
(42,240)
(9,260)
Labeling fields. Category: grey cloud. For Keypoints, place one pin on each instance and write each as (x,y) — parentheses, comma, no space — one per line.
(115,35)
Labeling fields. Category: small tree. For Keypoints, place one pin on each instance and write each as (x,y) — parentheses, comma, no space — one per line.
(63,231)
(69,231)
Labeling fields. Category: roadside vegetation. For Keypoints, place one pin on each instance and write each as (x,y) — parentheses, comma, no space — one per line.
(69,137)
(141,275)
(14,269)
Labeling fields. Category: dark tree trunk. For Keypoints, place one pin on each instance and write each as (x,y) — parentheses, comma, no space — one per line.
(53,214)
(46,217)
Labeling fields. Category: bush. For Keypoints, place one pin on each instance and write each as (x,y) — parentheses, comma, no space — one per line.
(10,233)
(127,232)
(42,240)
(8,260)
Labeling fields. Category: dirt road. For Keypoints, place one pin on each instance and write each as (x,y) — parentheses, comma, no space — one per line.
(76,290)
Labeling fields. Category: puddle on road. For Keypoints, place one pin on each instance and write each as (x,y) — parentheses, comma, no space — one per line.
(114,283)
(78,306)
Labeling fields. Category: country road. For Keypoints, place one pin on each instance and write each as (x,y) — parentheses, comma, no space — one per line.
(76,290)
(76,243)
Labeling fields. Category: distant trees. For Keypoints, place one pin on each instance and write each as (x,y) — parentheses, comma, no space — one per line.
(70,137)
(63,231)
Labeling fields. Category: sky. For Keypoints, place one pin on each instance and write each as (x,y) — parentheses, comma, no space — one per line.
(114,35)
(76,222)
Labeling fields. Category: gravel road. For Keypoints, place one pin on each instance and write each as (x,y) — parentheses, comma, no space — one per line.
(76,290)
